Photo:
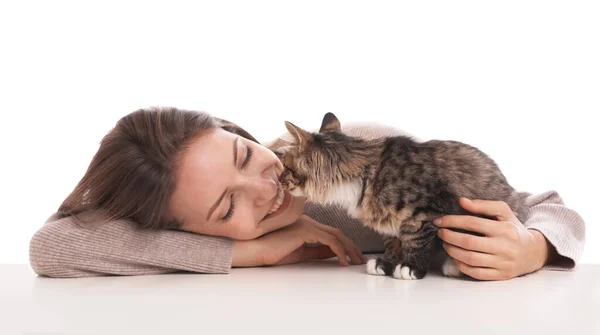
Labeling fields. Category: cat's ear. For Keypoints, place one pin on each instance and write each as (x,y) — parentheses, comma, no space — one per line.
(282,151)
(300,135)
(281,145)
(330,123)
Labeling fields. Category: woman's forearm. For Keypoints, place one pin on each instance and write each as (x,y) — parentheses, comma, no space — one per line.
(541,250)
(65,248)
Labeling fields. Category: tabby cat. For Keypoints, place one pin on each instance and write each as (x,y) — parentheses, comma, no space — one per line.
(394,185)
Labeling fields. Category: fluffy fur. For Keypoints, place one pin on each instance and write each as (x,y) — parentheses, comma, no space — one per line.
(394,185)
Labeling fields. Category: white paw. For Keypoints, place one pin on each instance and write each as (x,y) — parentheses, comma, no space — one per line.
(450,269)
(373,269)
(403,272)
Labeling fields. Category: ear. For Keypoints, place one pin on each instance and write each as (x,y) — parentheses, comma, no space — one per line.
(330,123)
(300,135)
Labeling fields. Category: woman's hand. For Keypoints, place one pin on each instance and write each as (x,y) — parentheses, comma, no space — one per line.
(507,250)
(287,245)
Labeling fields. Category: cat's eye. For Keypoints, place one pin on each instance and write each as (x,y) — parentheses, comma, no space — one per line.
(294,174)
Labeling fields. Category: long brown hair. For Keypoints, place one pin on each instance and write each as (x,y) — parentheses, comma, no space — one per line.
(133,173)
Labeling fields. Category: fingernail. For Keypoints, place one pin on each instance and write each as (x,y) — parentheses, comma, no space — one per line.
(437,221)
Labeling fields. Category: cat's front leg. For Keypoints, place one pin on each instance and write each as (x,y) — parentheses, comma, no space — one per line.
(380,267)
(384,266)
(417,239)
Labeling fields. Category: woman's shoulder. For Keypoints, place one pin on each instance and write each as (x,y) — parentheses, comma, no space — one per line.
(372,130)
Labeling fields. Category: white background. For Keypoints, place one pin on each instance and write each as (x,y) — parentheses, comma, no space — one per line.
(518,79)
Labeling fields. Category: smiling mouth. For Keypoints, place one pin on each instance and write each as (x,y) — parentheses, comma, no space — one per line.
(280,203)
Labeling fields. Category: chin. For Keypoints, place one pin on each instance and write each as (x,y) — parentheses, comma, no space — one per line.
(247,235)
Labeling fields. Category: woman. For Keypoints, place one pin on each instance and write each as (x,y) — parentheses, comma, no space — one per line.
(175,190)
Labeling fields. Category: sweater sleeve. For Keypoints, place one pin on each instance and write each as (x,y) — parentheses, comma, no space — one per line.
(64,247)
(562,227)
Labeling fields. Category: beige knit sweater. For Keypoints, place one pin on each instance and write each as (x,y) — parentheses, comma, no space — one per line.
(63,248)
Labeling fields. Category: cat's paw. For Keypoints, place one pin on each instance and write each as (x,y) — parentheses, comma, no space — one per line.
(407,272)
(450,269)
(375,267)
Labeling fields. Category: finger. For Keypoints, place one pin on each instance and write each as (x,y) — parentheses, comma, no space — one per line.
(355,254)
(352,250)
(333,243)
(481,273)
(295,257)
(470,223)
(305,253)
(468,241)
(471,257)
(498,209)
(319,252)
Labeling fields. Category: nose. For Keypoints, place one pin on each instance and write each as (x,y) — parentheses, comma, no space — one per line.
(261,189)
(278,167)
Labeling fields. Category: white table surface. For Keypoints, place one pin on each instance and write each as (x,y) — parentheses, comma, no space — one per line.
(309,298)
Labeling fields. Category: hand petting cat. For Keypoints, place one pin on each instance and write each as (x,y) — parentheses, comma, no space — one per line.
(506,250)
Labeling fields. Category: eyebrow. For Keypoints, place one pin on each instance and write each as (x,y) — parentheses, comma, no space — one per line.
(216,204)
(235,147)
(212,209)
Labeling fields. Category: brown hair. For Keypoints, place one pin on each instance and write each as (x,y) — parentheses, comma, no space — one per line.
(133,173)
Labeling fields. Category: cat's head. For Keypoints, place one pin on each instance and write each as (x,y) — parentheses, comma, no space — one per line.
(317,163)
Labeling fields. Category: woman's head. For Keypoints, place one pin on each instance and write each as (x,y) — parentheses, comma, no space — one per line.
(173,168)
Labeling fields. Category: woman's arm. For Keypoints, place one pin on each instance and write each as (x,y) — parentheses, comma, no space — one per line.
(64,247)
(562,227)
(67,248)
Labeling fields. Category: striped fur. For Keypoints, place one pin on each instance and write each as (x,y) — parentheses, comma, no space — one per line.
(394,185)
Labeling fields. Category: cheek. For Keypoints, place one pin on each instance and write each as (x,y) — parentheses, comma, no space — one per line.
(243,224)
(244,230)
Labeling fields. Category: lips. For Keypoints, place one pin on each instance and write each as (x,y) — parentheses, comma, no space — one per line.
(280,203)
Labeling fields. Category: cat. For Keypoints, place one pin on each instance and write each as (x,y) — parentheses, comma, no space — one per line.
(393,185)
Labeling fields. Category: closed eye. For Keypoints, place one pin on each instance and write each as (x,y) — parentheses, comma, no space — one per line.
(230,211)
(249,153)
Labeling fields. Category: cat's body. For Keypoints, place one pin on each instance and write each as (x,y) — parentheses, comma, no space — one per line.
(394,185)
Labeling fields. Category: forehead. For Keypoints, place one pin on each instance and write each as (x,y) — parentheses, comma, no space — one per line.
(204,169)
(205,152)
